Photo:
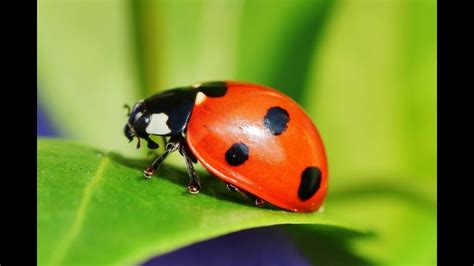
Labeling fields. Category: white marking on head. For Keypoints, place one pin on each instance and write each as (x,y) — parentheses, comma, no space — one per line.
(196,85)
(138,115)
(200,97)
(157,125)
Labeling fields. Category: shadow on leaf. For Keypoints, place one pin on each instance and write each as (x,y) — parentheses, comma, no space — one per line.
(328,245)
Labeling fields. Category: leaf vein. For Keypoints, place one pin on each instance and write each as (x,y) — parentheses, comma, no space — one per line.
(78,221)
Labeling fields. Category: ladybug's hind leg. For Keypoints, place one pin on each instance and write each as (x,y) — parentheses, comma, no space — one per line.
(258,201)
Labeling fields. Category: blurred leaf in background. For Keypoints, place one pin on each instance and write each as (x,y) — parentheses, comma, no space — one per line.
(365,71)
(373,94)
(86,68)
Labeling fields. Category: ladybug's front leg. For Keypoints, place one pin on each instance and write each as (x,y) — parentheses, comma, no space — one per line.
(150,170)
(171,146)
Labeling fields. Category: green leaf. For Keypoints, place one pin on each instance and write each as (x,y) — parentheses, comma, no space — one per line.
(97,208)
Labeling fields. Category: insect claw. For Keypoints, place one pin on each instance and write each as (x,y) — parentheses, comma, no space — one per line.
(259,202)
(149,171)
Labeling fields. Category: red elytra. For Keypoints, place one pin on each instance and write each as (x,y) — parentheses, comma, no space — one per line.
(282,161)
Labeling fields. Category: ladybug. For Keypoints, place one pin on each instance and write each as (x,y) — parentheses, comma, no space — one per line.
(256,139)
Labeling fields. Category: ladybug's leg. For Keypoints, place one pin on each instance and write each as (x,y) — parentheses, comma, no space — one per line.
(150,170)
(258,201)
(194,182)
(171,146)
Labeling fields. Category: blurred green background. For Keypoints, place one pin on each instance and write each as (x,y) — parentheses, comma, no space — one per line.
(365,71)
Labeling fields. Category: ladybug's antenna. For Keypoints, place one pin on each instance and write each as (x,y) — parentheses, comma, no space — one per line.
(126,106)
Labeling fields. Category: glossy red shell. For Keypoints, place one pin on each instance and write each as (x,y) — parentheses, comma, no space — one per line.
(274,168)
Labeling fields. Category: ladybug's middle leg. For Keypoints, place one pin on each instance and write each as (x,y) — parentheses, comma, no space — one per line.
(194,182)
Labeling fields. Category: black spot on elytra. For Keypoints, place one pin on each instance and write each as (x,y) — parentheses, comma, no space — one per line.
(310,183)
(276,120)
(213,88)
(237,154)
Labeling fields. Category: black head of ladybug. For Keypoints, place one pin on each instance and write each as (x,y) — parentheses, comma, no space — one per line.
(163,114)
(136,124)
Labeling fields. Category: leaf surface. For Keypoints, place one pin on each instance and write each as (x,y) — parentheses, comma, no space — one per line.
(96,208)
